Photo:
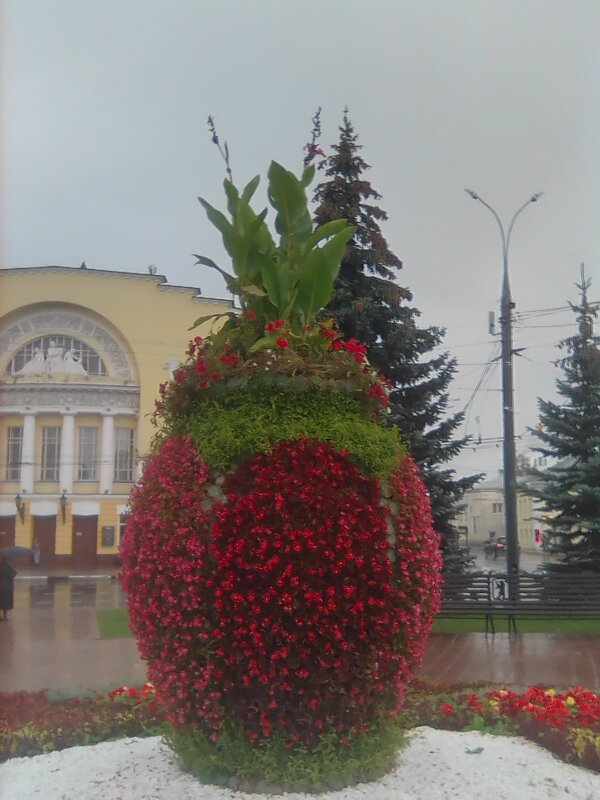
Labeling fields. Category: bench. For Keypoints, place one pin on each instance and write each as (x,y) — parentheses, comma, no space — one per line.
(488,594)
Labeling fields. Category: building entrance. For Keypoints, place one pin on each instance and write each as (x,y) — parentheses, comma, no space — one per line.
(44,530)
(85,541)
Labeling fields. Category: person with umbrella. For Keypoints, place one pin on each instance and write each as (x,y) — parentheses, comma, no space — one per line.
(7,586)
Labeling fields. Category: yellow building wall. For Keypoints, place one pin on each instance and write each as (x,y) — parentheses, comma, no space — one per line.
(150,319)
(150,316)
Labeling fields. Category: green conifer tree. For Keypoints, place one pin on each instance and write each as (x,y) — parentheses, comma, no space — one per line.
(569,431)
(372,308)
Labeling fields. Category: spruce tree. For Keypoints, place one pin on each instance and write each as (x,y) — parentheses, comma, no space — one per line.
(369,306)
(569,431)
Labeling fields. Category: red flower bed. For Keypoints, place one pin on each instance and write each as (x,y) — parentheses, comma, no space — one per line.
(281,608)
(167,573)
(307,612)
(31,723)
(417,563)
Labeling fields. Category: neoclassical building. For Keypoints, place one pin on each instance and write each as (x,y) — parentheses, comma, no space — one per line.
(82,353)
(482,515)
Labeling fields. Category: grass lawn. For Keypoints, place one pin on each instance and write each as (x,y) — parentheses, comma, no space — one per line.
(582,626)
(113,623)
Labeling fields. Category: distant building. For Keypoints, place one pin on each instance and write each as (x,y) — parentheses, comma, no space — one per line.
(482,515)
(82,353)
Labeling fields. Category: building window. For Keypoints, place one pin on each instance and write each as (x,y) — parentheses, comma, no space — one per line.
(50,453)
(87,469)
(496,508)
(14,450)
(123,455)
(56,354)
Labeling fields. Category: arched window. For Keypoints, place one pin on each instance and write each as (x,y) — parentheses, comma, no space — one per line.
(56,354)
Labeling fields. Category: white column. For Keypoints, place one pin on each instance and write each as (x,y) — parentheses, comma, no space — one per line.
(67,453)
(107,454)
(28,453)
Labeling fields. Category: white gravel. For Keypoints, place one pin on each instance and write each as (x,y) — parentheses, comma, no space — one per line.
(436,765)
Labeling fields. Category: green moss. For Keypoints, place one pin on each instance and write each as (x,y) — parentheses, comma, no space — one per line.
(271,767)
(228,429)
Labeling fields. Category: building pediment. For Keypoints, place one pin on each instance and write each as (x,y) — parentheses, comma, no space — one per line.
(59,343)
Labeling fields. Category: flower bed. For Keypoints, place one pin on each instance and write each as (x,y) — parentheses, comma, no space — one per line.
(32,722)
(567,723)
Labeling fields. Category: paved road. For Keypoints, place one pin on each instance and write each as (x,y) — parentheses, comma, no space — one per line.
(528,561)
(51,641)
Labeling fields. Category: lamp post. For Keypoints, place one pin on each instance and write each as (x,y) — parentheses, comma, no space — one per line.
(508,410)
(63,504)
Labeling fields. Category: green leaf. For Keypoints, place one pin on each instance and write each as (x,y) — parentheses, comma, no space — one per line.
(318,273)
(221,335)
(308,176)
(270,276)
(265,341)
(231,282)
(208,262)
(287,197)
(233,197)
(220,221)
(252,236)
(202,320)
(326,230)
(250,188)
(249,288)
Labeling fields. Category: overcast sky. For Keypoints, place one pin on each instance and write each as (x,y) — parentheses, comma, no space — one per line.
(105,147)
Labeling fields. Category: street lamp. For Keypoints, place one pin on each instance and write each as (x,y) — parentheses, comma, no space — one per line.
(508,410)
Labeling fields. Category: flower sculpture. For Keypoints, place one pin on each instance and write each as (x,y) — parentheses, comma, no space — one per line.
(280,562)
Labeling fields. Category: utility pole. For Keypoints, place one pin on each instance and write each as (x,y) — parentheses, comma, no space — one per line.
(508,409)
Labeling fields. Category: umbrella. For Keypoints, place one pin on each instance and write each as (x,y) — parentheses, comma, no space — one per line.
(15,550)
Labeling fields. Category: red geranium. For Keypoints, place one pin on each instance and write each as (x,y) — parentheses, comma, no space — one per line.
(298,607)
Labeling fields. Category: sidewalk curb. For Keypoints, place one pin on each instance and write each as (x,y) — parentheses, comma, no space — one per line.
(85,577)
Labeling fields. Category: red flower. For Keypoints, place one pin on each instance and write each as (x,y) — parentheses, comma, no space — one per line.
(282,343)
(249,314)
(359,351)
(279,607)
(275,325)
(229,358)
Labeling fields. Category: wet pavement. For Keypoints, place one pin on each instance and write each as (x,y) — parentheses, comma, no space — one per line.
(520,659)
(51,641)
(529,560)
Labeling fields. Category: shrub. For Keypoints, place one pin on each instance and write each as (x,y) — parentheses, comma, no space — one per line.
(334,762)
(280,560)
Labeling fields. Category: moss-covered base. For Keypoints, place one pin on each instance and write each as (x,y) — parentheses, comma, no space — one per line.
(271,767)
(243,423)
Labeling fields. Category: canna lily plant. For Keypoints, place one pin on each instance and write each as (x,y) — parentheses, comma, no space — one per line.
(290,280)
